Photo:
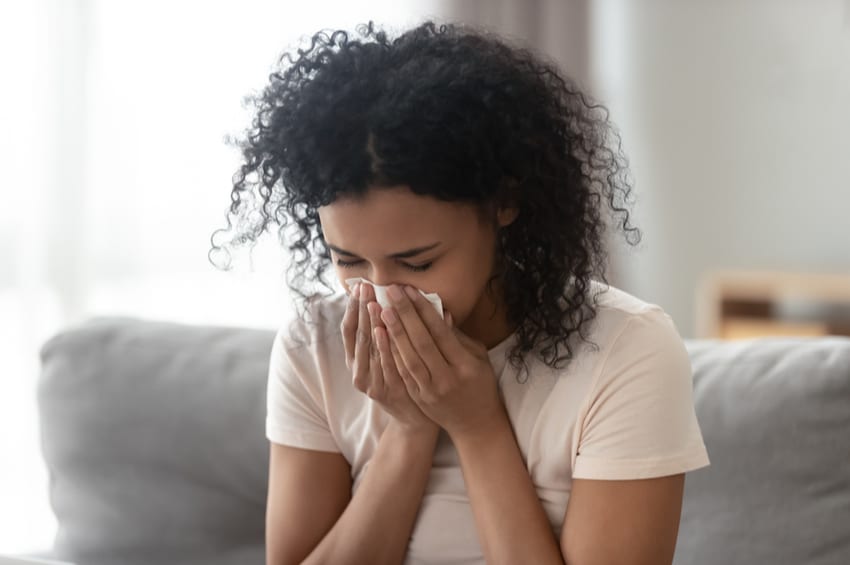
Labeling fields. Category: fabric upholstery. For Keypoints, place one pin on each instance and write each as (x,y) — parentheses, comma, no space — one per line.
(775,417)
(153,435)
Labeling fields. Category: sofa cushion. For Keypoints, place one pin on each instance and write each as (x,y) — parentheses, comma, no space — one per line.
(775,417)
(153,434)
(154,438)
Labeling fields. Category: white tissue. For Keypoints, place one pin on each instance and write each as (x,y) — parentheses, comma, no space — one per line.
(383,299)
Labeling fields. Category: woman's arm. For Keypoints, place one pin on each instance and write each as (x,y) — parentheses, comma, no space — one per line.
(511,523)
(633,522)
(607,522)
(375,526)
(308,491)
(450,377)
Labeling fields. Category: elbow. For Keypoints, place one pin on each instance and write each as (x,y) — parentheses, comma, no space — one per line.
(280,556)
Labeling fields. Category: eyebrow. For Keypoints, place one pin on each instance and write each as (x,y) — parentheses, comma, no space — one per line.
(400,255)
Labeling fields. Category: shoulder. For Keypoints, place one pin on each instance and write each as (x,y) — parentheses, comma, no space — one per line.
(625,331)
(312,324)
(637,417)
(639,347)
(615,301)
(627,336)
(307,347)
(624,318)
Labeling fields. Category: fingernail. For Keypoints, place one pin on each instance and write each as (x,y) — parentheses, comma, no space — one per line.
(410,292)
(389,317)
(355,290)
(394,292)
(374,311)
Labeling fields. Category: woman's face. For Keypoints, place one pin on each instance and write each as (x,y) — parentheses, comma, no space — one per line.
(393,236)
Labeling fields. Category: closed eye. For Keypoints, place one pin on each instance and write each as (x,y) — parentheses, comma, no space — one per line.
(414,268)
(418,268)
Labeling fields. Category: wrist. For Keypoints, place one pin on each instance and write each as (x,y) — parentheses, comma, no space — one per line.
(415,436)
(484,433)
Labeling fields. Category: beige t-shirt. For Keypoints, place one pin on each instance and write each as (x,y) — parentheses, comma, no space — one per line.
(622,411)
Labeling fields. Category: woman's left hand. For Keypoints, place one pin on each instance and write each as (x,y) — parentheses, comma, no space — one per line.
(447,373)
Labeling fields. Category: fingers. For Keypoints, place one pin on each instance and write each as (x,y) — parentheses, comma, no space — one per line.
(408,360)
(431,337)
(368,364)
(400,370)
(377,386)
(459,335)
(389,365)
(349,324)
(362,340)
(476,347)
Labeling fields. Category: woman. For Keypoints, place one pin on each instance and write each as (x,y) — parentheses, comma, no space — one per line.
(540,415)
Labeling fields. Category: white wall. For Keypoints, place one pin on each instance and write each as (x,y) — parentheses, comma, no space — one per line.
(115,173)
(736,116)
(556,28)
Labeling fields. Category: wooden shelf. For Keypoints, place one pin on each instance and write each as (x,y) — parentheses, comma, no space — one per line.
(745,304)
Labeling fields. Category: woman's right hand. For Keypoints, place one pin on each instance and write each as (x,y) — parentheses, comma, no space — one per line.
(373,363)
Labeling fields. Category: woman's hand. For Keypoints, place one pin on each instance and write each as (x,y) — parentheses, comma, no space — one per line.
(447,373)
(369,355)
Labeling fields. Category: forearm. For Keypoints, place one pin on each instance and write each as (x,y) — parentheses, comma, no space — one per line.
(511,522)
(376,525)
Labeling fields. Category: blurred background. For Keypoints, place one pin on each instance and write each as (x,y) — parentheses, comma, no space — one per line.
(116,171)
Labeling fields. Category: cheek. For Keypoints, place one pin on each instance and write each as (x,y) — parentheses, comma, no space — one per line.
(460,304)
(341,276)
(462,292)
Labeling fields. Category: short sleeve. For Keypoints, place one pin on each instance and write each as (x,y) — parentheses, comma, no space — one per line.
(295,415)
(640,420)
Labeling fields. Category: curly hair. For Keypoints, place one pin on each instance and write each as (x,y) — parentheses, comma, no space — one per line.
(457,114)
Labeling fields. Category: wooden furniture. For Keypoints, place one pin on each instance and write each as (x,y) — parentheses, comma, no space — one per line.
(746,304)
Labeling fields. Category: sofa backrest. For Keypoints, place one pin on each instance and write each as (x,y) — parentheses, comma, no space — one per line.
(775,417)
(154,438)
(153,434)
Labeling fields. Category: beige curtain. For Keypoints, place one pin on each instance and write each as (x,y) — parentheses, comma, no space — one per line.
(556,28)
(561,30)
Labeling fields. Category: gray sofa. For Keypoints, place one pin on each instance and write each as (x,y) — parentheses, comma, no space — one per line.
(153,434)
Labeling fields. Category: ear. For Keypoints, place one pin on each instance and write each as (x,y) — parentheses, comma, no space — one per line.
(506,216)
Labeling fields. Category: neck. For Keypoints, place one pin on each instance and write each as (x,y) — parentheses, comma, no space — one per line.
(488,322)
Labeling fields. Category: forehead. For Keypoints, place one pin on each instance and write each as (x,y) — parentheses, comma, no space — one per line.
(386,218)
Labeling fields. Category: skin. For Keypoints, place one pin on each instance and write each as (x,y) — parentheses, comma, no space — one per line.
(428,373)
(388,221)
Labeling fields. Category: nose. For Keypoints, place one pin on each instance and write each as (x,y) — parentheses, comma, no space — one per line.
(381,281)
(383,277)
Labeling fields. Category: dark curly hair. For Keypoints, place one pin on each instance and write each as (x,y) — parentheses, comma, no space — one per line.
(457,114)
